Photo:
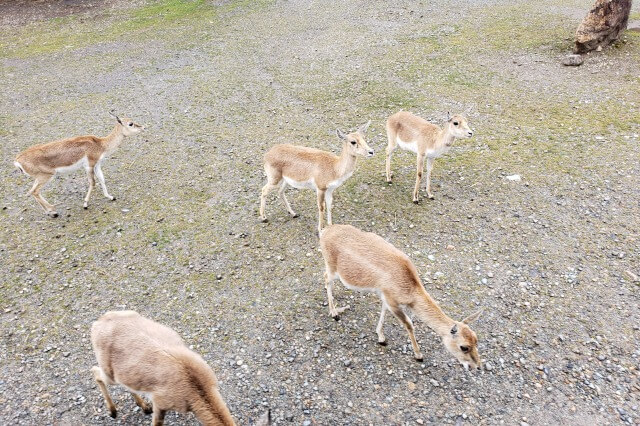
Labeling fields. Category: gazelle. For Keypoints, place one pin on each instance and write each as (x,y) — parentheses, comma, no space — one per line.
(42,162)
(427,140)
(364,261)
(303,167)
(151,359)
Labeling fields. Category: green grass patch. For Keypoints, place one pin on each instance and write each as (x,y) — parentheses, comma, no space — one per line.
(4,125)
(376,96)
(563,117)
(635,35)
(550,136)
(73,31)
(435,63)
(163,13)
(428,44)
(129,24)
(513,27)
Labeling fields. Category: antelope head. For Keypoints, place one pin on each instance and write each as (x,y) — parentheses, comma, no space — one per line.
(129,127)
(457,125)
(462,343)
(356,144)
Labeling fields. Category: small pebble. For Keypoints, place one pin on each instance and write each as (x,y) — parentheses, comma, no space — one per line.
(572,60)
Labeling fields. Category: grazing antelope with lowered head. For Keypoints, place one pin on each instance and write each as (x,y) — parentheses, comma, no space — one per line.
(42,162)
(364,261)
(149,358)
(427,140)
(303,167)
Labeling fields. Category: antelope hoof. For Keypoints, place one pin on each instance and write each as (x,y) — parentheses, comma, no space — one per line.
(148,409)
(294,215)
(112,198)
(431,197)
(416,201)
(419,359)
(53,214)
(383,343)
(336,317)
(113,413)
(264,220)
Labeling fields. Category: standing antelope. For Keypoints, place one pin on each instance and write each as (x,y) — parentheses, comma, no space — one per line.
(415,134)
(366,262)
(43,161)
(303,167)
(149,358)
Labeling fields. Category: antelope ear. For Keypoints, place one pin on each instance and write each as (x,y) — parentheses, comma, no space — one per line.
(362,129)
(471,318)
(117,118)
(448,116)
(340,134)
(454,329)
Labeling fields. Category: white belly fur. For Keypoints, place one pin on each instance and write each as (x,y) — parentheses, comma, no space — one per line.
(356,288)
(435,153)
(408,146)
(413,147)
(147,395)
(307,184)
(82,163)
(336,183)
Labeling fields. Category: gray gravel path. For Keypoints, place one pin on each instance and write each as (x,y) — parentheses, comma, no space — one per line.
(551,258)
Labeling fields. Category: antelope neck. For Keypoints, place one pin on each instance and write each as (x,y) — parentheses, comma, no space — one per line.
(435,318)
(446,136)
(347,160)
(114,139)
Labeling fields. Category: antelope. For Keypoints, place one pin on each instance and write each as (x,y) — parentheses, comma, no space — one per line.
(42,162)
(149,358)
(364,261)
(303,167)
(427,140)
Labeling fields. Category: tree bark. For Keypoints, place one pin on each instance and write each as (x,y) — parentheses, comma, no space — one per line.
(604,23)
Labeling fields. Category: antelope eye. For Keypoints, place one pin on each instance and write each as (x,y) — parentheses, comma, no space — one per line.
(455,123)
(464,349)
(130,124)
(353,142)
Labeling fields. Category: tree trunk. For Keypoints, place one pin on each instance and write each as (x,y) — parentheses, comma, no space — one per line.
(602,25)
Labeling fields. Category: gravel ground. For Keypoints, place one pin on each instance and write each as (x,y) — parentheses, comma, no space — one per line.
(552,257)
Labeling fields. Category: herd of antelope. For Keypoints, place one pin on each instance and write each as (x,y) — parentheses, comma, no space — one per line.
(150,359)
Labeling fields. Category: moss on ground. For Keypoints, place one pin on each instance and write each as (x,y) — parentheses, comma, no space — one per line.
(214,107)
(133,25)
(506,28)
